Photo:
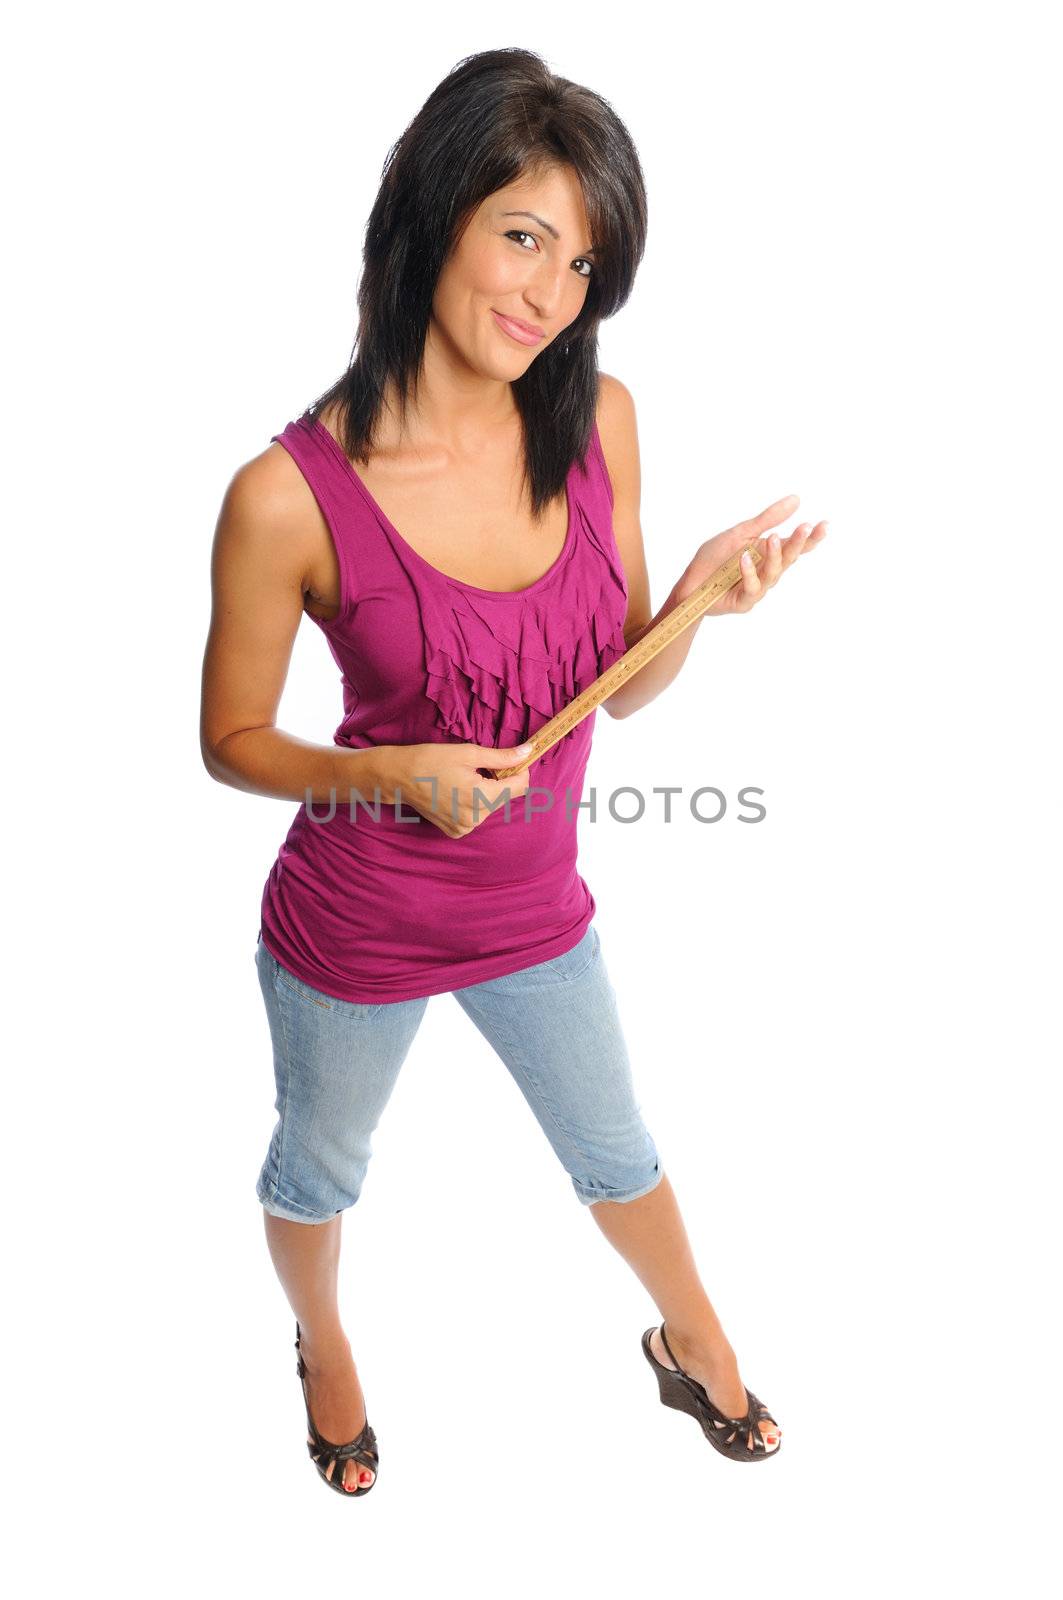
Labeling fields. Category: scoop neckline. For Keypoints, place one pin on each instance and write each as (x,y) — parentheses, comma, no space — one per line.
(437,572)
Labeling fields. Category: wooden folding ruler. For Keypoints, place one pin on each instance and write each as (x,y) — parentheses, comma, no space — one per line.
(633,660)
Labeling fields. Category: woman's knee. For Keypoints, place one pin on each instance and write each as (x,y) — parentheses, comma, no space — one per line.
(312,1181)
(624,1173)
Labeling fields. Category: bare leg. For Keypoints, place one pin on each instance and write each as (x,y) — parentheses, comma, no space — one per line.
(306,1256)
(649,1233)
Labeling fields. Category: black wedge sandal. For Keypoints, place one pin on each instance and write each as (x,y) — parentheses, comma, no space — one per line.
(684,1393)
(324,1453)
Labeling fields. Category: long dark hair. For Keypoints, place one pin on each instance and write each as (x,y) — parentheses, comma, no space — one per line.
(497,116)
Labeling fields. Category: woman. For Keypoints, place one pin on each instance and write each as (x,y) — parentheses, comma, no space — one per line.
(510,220)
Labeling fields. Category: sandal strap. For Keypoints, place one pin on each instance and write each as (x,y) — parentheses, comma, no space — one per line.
(760,1408)
(363,1450)
(702,1397)
(671,1352)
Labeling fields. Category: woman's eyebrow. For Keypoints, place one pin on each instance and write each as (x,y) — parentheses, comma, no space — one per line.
(547,225)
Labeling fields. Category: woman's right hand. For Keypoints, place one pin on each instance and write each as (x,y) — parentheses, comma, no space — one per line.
(450,802)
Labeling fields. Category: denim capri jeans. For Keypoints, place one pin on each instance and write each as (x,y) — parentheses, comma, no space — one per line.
(554,1025)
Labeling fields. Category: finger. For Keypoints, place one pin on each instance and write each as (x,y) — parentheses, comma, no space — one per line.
(813,534)
(796,543)
(501,755)
(771,516)
(495,758)
(751,584)
(773,565)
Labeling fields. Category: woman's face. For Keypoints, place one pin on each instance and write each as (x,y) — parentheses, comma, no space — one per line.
(525,254)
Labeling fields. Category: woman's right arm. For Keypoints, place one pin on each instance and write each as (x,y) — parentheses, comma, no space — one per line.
(264,549)
(270,538)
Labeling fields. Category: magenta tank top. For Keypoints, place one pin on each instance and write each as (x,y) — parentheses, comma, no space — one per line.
(391,908)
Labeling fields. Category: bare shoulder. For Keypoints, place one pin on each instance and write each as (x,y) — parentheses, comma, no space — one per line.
(618,431)
(614,398)
(267,492)
(269,514)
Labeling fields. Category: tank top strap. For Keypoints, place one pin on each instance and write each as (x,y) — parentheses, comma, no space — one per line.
(599,457)
(322,464)
(597,497)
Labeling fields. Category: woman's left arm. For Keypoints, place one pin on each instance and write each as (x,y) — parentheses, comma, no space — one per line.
(618,431)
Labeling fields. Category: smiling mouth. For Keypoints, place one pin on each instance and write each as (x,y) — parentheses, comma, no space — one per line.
(523,332)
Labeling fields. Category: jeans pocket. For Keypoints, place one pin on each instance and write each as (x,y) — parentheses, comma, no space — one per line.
(307,995)
(574,963)
(304,991)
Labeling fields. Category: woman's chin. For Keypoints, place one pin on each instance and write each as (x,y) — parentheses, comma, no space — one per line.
(501,365)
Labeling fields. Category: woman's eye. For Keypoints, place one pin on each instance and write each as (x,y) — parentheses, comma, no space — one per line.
(519,233)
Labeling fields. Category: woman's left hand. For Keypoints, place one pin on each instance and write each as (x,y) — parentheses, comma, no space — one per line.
(757,579)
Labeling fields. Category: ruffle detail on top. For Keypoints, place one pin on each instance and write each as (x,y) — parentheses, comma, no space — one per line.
(498,668)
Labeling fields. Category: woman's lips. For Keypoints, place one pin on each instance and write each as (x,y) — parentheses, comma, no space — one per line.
(515,329)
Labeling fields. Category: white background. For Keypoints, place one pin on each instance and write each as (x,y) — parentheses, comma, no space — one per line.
(841,1021)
